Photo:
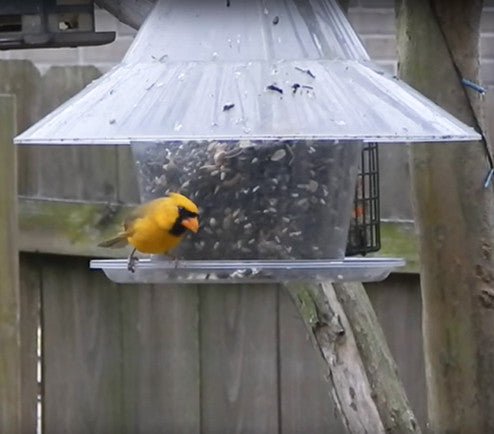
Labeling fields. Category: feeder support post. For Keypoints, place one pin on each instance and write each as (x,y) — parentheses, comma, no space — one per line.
(10,351)
(438,44)
(362,374)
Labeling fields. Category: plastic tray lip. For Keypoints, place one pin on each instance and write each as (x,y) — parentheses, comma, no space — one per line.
(204,265)
(252,271)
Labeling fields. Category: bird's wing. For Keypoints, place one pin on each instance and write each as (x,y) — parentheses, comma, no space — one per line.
(148,209)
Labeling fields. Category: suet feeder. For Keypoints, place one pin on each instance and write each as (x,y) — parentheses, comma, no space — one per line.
(49,23)
(260,112)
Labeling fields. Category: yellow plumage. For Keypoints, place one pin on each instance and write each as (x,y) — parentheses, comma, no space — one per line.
(157,226)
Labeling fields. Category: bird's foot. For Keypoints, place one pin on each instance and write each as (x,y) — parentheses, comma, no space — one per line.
(173,258)
(131,263)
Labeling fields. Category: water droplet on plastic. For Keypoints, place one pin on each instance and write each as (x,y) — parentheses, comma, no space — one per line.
(181,76)
(247,130)
(266,12)
(340,122)
(177,126)
(215,55)
(159,84)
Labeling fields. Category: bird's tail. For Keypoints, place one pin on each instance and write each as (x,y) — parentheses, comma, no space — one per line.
(117,242)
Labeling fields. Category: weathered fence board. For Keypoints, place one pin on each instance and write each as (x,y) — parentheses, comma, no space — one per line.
(160,358)
(72,172)
(239,387)
(30,284)
(128,191)
(82,349)
(398,307)
(10,354)
(306,405)
(75,172)
(193,359)
(22,79)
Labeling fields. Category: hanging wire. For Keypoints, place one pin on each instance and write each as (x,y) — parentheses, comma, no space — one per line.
(490,173)
(473,86)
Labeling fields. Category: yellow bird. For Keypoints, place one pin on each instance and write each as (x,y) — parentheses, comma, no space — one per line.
(156,226)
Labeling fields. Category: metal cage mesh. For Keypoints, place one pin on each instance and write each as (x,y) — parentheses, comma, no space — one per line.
(364,233)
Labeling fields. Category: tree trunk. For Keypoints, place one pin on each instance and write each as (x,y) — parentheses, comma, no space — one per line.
(438,46)
(361,371)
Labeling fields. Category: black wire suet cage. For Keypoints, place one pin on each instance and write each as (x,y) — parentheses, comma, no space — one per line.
(364,233)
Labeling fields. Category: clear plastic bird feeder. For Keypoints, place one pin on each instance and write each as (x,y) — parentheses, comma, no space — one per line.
(287,199)
(258,112)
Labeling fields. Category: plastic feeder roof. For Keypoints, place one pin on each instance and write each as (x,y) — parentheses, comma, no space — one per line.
(246,69)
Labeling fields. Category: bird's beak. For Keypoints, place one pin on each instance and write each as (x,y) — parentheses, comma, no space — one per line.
(191,223)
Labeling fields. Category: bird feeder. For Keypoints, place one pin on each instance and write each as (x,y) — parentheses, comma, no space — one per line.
(258,111)
(49,23)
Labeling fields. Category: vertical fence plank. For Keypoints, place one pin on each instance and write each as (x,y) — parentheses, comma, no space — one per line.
(75,172)
(306,405)
(72,172)
(398,307)
(22,79)
(82,352)
(30,284)
(161,358)
(239,359)
(128,190)
(10,358)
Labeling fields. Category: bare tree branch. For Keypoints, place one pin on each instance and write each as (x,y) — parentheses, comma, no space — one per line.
(362,373)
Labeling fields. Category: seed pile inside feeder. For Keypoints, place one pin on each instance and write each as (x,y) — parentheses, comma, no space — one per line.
(258,200)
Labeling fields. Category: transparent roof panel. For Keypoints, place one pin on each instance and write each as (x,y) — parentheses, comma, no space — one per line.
(255,70)
(245,30)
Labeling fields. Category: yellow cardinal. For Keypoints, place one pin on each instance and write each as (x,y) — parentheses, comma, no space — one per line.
(156,226)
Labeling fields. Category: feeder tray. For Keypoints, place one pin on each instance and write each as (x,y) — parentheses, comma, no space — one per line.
(156,271)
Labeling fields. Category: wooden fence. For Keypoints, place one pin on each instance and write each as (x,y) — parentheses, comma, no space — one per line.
(186,358)
(161,358)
